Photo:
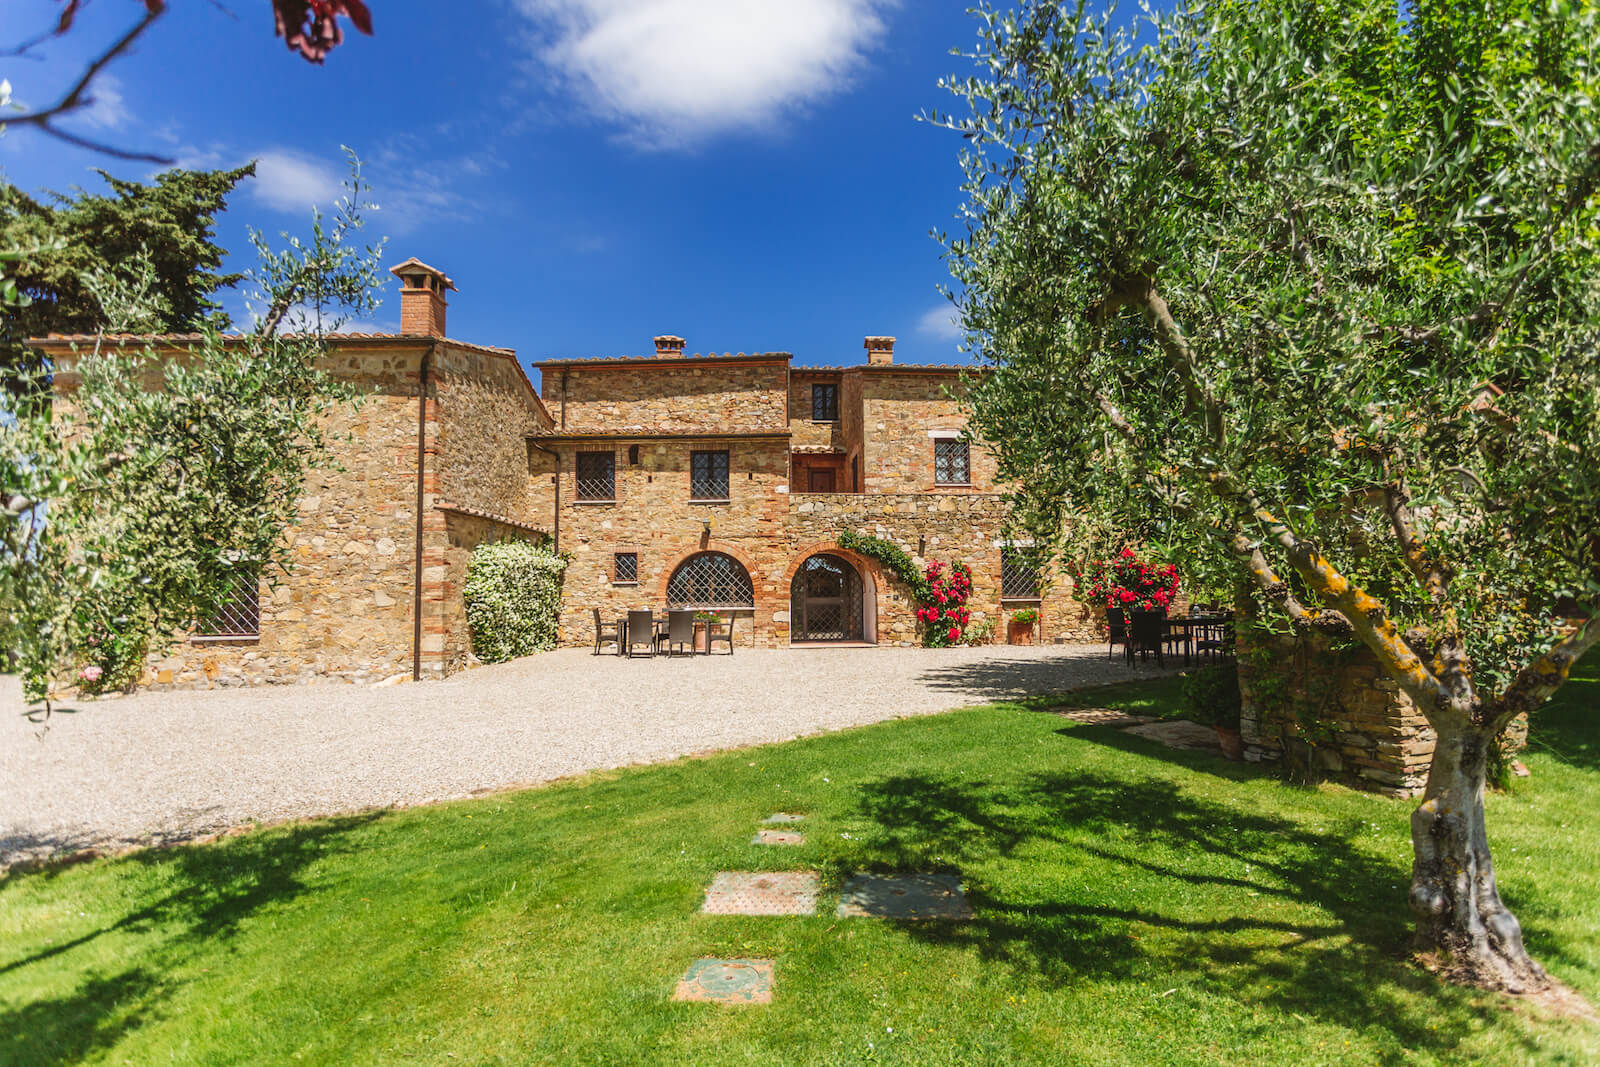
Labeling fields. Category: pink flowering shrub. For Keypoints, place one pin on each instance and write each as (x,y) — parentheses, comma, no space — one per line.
(944,615)
(1129,583)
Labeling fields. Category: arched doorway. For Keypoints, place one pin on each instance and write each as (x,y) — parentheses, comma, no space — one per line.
(826,602)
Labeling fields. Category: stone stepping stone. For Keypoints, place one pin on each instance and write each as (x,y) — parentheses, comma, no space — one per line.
(727,982)
(778,837)
(906,896)
(1180,734)
(763,893)
(1105,717)
(783,817)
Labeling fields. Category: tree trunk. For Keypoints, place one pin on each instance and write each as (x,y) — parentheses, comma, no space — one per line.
(1460,917)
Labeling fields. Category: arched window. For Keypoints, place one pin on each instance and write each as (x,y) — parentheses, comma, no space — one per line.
(710,580)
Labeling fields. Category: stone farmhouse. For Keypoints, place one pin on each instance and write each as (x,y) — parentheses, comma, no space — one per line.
(703,481)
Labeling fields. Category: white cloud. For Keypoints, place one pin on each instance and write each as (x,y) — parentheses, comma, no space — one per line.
(106,110)
(291,182)
(941,322)
(676,71)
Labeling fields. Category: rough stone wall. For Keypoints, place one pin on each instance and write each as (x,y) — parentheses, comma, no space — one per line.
(807,433)
(851,430)
(344,612)
(653,517)
(1333,713)
(949,527)
(487,410)
(898,410)
(668,396)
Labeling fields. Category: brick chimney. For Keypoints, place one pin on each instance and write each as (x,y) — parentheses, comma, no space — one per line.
(422,302)
(669,347)
(880,351)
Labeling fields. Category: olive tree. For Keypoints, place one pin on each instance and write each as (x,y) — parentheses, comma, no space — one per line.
(1313,289)
(167,473)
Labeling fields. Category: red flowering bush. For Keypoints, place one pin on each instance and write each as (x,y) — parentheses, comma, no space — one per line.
(944,615)
(1129,583)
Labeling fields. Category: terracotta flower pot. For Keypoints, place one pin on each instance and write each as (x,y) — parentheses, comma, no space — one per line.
(1019,633)
(1232,743)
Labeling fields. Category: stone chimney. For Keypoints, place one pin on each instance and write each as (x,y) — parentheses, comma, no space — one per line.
(422,302)
(669,347)
(880,351)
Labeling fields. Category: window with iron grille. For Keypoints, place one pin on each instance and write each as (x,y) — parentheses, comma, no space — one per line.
(708,475)
(951,462)
(1019,574)
(825,403)
(597,475)
(710,580)
(238,615)
(625,567)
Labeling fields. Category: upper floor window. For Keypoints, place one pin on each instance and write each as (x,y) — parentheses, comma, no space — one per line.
(1019,574)
(951,463)
(708,475)
(825,403)
(597,475)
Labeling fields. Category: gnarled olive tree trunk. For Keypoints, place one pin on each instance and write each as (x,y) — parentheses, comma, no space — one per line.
(1461,920)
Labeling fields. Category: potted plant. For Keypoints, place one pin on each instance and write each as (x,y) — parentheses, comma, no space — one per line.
(1020,630)
(1211,695)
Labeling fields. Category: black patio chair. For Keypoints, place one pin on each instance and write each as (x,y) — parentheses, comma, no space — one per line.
(1216,640)
(1146,634)
(1117,628)
(720,630)
(641,632)
(680,632)
(605,632)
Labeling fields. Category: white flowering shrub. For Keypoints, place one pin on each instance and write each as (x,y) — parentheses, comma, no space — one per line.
(513,594)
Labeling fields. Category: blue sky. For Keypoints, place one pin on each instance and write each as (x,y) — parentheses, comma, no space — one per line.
(745,173)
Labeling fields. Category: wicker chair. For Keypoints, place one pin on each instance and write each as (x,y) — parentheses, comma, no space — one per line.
(718,630)
(1117,628)
(1146,634)
(680,633)
(607,632)
(641,632)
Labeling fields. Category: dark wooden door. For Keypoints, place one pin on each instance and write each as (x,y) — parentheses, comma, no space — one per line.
(821,481)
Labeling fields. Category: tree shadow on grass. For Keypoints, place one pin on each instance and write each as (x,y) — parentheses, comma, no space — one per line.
(1239,904)
(214,888)
(1568,728)
(1011,678)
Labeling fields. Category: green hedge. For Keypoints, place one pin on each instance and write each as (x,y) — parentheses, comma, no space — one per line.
(513,595)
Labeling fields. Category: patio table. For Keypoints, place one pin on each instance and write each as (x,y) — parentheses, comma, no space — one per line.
(1192,628)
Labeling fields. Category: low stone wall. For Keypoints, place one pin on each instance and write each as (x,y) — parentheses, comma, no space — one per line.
(1331,713)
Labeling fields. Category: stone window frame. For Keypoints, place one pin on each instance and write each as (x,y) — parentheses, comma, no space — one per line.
(832,404)
(238,617)
(617,577)
(579,477)
(949,440)
(727,475)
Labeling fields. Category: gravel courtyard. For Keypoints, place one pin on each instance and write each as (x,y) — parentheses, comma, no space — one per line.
(168,766)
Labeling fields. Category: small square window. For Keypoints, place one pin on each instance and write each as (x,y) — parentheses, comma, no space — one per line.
(597,476)
(1019,574)
(951,462)
(238,615)
(625,567)
(708,476)
(825,403)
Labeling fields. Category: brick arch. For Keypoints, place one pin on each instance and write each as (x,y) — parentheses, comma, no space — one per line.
(869,567)
(726,549)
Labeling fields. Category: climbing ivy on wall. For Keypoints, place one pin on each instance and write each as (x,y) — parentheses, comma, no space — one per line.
(893,557)
(941,593)
(513,595)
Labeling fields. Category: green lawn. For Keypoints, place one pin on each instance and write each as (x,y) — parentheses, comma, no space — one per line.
(1134,905)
